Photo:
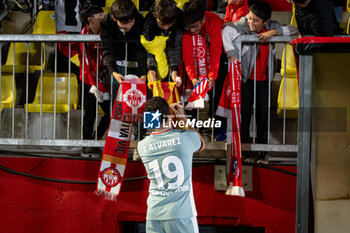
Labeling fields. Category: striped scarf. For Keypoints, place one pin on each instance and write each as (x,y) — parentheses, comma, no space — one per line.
(116,150)
(230,104)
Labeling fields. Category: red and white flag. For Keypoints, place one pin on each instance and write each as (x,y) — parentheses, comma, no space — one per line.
(197,97)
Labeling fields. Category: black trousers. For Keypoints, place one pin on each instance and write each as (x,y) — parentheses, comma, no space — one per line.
(90,115)
(247,92)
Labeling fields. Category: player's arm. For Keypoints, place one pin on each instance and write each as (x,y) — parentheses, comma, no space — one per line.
(202,141)
(179,112)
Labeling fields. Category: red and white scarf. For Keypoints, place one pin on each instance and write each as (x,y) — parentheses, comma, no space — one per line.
(116,150)
(196,95)
(230,103)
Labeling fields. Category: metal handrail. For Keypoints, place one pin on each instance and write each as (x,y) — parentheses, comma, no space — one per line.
(245,39)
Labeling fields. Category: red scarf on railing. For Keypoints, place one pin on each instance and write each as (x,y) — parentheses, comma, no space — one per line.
(230,103)
(116,150)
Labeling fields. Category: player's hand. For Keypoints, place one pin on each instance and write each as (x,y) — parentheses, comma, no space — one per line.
(194,81)
(178,109)
(265,36)
(120,78)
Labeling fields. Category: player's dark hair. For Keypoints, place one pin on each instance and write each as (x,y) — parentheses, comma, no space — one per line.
(124,10)
(262,10)
(165,11)
(87,12)
(158,103)
(194,11)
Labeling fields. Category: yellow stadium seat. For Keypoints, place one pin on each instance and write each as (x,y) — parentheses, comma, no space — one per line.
(289,83)
(21,58)
(62,81)
(348,10)
(45,23)
(7,99)
(291,67)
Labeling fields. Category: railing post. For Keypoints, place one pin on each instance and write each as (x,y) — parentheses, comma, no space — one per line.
(303,168)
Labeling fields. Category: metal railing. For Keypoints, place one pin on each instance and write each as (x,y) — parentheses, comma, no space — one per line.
(70,141)
(283,146)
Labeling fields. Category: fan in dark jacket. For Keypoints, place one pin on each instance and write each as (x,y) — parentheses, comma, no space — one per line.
(316,17)
(163,24)
(120,29)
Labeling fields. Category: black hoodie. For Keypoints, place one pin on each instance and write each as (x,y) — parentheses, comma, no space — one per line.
(317,19)
(113,44)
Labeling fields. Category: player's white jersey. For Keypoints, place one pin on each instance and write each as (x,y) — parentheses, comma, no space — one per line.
(167,156)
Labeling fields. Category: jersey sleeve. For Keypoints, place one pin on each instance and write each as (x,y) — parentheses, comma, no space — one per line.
(193,140)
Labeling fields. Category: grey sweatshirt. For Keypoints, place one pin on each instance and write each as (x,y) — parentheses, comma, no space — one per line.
(232,43)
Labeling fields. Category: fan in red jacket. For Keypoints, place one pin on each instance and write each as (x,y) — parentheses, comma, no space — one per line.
(201,46)
(209,26)
(90,59)
(87,52)
(235,10)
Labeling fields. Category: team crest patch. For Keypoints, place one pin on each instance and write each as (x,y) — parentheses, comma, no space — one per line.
(110,176)
(134,98)
(200,52)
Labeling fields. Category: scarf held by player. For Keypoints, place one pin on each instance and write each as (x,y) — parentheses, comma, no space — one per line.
(116,150)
